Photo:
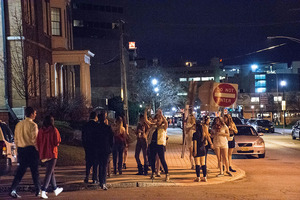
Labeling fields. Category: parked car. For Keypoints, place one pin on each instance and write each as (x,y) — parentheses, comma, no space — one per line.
(249,142)
(263,126)
(251,121)
(237,120)
(296,130)
(8,153)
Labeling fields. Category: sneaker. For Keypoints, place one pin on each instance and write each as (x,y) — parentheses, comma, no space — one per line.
(95,182)
(124,166)
(104,187)
(44,195)
(39,193)
(197,179)
(58,191)
(220,175)
(204,179)
(14,194)
(232,170)
(157,174)
(228,173)
(167,177)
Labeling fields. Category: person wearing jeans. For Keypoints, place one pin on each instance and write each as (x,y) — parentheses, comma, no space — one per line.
(48,140)
(25,139)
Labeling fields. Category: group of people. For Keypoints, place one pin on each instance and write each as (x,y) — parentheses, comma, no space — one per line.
(34,145)
(220,138)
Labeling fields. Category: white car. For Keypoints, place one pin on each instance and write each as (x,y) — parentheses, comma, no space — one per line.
(249,142)
(8,153)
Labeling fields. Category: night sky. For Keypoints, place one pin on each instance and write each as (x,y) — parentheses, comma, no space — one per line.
(197,30)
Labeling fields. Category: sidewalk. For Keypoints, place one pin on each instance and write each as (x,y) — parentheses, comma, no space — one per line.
(71,178)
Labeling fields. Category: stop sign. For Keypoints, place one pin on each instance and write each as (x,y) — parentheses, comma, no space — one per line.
(224,95)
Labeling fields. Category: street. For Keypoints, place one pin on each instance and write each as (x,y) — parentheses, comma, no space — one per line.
(274,177)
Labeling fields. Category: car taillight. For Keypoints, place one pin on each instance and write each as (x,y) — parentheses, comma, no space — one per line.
(3,148)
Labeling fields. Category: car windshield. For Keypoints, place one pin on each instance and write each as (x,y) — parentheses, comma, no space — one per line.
(237,120)
(263,122)
(8,135)
(246,130)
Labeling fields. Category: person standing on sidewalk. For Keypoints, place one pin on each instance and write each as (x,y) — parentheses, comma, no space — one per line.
(48,140)
(88,132)
(141,145)
(158,142)
(231,142)
(220,133)
(119,144)
(103,141)
(190,130)
(26,133)
(208,143)
(200,138)
(126,147)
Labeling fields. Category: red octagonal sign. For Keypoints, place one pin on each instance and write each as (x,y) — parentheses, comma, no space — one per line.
(224,95)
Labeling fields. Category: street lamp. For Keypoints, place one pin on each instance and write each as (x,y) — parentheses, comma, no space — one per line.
(254,67)
(156,89)
(154,81)
(174,109)
(283,83)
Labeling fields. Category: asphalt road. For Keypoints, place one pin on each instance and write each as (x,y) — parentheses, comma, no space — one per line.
(277,176)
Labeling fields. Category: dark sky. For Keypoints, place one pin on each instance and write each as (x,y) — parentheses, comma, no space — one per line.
(197,30)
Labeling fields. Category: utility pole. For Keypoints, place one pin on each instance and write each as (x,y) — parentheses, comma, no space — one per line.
(123,72)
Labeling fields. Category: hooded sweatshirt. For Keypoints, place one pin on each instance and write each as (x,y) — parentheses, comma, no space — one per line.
(48,140)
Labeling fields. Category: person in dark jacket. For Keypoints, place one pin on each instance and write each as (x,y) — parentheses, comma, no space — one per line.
(104,140)
(88,132)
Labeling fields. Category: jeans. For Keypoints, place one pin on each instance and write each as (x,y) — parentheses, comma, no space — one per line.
(103,160)
(141,145)
(90,161)
(118,155)
(160,150)
(49,176)
(27,157)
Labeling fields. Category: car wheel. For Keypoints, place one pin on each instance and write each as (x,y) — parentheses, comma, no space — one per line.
(262,155)
(294,137)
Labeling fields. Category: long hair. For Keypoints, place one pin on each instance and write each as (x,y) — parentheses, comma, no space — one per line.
(200,130)
(119,123)
(229,121)
(48,121)
(205,119)
(191,119)
(214,124)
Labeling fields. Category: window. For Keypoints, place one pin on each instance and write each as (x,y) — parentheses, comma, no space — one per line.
(195,79)
(29,12)
(182,79)
(260,76)
(48,80)
(254,99)
(77,23)
(260,83)
(56,21)
(260,89)
(277,98)
(182,94)
(46,24)
(37,79)
(207,78)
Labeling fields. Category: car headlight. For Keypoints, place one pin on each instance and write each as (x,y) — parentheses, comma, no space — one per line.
(259,142)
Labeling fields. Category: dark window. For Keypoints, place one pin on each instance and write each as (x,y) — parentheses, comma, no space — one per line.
(114,9)
(56,21)
(107,8)
(120,10)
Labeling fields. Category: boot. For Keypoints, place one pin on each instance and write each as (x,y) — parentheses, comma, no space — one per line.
(140,170)
(146,170)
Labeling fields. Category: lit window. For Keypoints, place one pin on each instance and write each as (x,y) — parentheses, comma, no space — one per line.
(260,89)
(182,79)
(78,23)
(182,94)
(260,76)
(278,98)
(56,21)
(207,78)
(254,99)
(195,79)
(260,83)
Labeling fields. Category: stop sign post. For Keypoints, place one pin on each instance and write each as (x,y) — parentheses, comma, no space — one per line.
(224,94)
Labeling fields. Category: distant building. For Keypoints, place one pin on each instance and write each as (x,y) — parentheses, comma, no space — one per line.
(97,26)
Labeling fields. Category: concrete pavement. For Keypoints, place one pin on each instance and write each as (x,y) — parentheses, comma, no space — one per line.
(71,178)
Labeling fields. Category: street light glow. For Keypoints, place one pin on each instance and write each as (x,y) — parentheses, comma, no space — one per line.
(141,105)
(154,81)
(283,83)
(174,109)
(254,67)
(261,106)
(156,89)
(252,107)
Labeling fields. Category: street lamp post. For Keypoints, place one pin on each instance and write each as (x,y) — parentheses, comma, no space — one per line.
(284,37)
(283,84)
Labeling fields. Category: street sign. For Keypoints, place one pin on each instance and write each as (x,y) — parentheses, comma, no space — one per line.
(283,105)
(225,94)
(132,45)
